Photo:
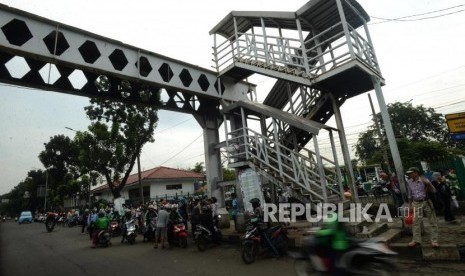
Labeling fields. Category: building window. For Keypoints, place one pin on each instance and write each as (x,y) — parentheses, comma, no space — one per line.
(174,187)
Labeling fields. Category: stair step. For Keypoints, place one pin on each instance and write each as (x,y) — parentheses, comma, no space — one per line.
(390,236)
(373,230)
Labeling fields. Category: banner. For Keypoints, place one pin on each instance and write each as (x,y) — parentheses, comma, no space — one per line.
(251,187)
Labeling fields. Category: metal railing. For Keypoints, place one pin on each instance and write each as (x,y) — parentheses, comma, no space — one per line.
(301,171)
(276,52)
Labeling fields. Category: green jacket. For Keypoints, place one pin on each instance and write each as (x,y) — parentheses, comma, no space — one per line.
(102,223)
(334,238)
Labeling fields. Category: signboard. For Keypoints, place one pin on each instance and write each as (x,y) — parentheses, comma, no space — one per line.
(456,122)
(251,187)
(457,136)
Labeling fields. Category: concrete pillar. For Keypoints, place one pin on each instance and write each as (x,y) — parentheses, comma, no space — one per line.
(210,125)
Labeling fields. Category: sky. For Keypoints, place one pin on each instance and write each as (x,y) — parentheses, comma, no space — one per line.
(422,61)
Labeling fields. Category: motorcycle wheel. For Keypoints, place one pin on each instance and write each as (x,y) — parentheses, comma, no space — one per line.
(131,239)
(183,242)
(201,244)
(49,225)
(303,268)
(248,253)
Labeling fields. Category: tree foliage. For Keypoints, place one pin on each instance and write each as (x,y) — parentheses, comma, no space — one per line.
(198,168)
(420,132)
(114,139)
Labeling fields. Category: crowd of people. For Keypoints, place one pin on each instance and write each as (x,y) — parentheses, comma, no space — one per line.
(155,219)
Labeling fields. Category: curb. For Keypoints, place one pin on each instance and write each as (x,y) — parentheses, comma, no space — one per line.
(445,252)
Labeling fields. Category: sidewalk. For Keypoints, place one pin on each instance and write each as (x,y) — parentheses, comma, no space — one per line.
(451,239)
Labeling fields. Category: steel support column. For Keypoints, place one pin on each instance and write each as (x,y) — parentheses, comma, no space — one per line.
(390,137)
(345,147)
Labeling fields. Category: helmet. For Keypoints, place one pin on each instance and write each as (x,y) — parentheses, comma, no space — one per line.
(151,206)
(255,201)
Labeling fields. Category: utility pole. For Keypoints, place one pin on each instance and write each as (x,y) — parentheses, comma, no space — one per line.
(46,187)
(381,140)
(140,181)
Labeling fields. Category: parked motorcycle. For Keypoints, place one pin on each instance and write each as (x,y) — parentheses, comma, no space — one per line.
(50,221)
(131,231)
(254,243)
(114,228)
(204,237)
(369,257)
(179,234)
(379,189)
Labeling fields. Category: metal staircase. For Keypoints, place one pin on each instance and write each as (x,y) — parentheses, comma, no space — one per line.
(319,57)
(284,167)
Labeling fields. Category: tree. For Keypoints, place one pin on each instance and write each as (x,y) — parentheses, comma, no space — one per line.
(228,174)
(60,157)
(115,139)
(420,132)
(198,168)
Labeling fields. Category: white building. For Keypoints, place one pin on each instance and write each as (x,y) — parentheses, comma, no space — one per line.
(157,183)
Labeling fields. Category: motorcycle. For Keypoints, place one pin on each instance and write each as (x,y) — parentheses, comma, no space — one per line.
(3,219)
(254,243)
(370,257)
(379,189)
(179,234)
(203,236)
(104,238)
(131,230)
(50,221)
(149,234)
(114,228)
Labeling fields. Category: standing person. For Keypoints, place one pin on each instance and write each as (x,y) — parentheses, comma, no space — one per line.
(214,207)
(90,222)
(394,187)
(418,188)
(194,215)
(444,194)
(162,223)
(234,209)
(85,217)
(182,209)
(452,182)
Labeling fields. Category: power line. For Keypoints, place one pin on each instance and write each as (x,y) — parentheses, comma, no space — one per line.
(173,126)
(182,149)
(403,18)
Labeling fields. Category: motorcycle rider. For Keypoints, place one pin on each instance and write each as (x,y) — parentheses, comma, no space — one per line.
(258,219)
(102,223)
(150,222)
(333,238)
(206,218)
(174,218)
(126,217)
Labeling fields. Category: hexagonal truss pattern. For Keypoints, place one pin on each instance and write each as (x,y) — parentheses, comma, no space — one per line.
(65,59)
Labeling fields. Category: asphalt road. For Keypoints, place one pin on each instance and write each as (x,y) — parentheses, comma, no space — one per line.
(29,250)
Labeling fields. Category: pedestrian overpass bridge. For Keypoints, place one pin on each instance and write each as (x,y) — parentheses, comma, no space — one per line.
(319,56)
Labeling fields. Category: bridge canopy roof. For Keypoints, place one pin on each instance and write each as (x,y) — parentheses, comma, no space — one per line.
(315,14)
